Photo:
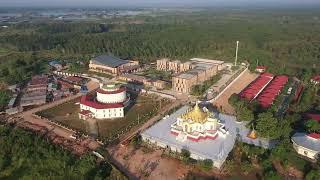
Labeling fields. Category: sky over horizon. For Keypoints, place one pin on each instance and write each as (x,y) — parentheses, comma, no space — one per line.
(76,3)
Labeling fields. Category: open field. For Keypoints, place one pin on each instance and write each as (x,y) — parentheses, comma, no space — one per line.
(67,114)
(236,87)
(144,107)
(147,163)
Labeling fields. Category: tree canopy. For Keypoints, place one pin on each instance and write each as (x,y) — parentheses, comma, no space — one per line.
(4,98)
(312,126)
(26,156)
(267,126)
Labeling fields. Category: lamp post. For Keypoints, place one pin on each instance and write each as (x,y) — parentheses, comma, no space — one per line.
(237,48)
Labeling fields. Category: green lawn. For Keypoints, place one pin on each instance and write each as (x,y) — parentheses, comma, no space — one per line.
(66,114)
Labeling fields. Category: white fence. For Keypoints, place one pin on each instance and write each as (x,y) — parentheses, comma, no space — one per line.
(164,95)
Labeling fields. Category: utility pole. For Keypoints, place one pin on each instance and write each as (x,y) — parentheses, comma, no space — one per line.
(237,48)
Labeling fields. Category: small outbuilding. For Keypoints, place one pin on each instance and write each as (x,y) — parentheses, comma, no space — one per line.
(315,80)
(307,144)
(261,69)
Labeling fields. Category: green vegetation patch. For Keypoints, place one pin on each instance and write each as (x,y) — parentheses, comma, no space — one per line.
(4,99)
(198,90)
(24,155)
(67,114)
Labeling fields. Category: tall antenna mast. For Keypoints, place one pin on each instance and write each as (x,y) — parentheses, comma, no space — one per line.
(235,62)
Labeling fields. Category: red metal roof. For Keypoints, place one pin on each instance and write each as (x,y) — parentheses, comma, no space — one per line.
(37,80)
(313,116)
(269,94)
(256,86)
(314,135)
(261,67)
(121,89)
(65,84)
(74,79)
(316,78)
(91,102)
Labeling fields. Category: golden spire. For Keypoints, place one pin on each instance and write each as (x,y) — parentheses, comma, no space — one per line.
(252,134)
(196,115)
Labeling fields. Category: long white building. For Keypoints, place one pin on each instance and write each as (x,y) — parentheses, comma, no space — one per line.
(109,102)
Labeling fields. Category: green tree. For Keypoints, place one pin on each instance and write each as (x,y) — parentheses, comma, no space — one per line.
(313,175)
(4,98)
(312,126)
(206,164)
(267,126)
(245,114)
(185,155)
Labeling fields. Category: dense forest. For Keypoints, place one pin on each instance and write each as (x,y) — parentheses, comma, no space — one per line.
(27,156)
(286,41)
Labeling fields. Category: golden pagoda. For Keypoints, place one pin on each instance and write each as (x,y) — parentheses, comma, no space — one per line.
(196,115)
(252,134)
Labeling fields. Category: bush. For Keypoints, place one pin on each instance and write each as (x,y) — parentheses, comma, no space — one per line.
(206,164)
(313,175)
(136,141)
(272,175)
(185,155)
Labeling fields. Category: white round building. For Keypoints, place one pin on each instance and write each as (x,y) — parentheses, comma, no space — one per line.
(110,101)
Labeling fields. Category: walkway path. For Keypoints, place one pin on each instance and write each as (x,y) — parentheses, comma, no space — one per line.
(237,86)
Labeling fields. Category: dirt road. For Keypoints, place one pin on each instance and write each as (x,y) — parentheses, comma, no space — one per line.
(236,87)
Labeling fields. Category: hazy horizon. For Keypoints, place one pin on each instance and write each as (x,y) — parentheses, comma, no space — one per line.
(157,3)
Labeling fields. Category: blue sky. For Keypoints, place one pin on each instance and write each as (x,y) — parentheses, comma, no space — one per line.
(154,2)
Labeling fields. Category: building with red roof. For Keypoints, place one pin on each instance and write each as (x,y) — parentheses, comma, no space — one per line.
(315,117)
(315,79)
(261,69)
(256,87)
(269,94)
(109,102)
(308,144)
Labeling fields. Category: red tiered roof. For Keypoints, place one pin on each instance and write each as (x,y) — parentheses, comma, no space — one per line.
(268,95)
(121,89)
(314,135)
(255,87)
(89,101)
